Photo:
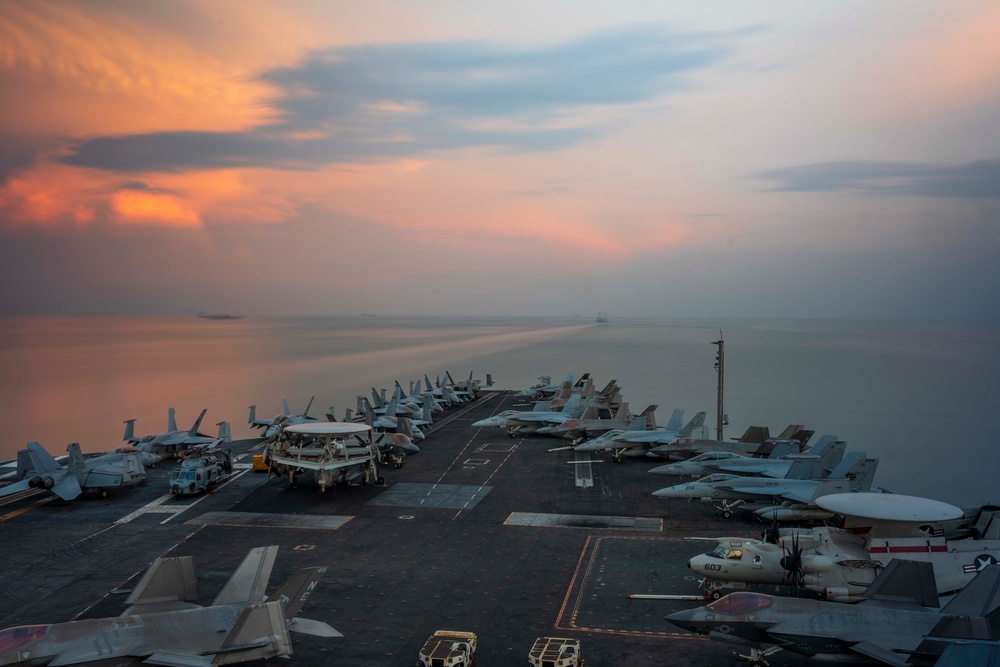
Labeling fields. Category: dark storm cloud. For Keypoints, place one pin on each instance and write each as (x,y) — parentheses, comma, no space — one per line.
(973,180)
(376,102)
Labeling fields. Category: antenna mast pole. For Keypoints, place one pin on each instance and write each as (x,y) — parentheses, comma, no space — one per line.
(720,369)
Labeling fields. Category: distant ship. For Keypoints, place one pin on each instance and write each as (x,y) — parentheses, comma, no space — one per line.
(602,318)
(219,316)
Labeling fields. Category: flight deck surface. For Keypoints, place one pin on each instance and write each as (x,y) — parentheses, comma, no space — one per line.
(478,532)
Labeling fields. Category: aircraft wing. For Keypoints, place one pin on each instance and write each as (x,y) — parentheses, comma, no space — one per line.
(884,654)
(166,580)
(960,655)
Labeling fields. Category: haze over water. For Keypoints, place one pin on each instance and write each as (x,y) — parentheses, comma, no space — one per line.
(920,396)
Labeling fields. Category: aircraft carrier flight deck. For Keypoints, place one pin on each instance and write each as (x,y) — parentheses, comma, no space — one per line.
(478,532)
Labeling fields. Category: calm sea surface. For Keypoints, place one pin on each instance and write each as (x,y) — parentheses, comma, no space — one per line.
(921,397)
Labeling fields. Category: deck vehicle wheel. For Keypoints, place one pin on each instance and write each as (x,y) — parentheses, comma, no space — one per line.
(103,493)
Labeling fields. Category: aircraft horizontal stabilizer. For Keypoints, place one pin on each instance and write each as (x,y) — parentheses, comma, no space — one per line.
(80,656)
(307,626)
(16,487)
(67,488)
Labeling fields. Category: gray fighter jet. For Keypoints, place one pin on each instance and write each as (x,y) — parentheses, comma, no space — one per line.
(161,627)
(69,481)
(898,624)
(172,440)
(271,427)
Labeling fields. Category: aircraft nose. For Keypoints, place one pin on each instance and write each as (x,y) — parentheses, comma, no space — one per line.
(686,619)
(663,470)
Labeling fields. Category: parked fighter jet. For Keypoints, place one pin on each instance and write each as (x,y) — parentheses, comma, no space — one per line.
(590,425)
(78,475)
(172,440)
(544,387)
(637,443)
(854,473)
(750,441)
(897,624)
(828,453)
(271,427)
(162,628)
(838,564)
(515,422)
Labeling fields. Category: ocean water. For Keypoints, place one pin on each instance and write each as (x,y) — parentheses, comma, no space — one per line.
(920,396)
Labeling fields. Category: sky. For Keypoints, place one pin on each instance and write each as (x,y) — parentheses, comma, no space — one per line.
(658,159)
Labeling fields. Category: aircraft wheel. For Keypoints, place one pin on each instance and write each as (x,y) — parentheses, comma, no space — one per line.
(104,493)
(716,594)
(727,514)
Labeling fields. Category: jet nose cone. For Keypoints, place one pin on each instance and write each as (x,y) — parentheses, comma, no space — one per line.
(662,470)
(686,619)
(481,422)
(664,493)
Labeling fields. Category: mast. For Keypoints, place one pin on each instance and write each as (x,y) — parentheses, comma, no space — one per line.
(720,369)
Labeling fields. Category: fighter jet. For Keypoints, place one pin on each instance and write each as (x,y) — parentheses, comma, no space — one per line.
(634,443)
(515,422)
(544,387)
(854,473)
(752,440)
(838,564)
(897,624)
(591,425)
(828,452)
(79,475)
(161,626)
(271,427)
(172,441)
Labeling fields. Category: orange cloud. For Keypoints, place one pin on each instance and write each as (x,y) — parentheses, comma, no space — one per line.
(137,207)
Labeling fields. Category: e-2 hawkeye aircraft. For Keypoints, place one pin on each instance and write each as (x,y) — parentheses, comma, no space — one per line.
(162,627)
(838,564)
(898,623)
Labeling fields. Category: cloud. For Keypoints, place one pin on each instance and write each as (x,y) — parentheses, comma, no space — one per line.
(381,102)
(972,180)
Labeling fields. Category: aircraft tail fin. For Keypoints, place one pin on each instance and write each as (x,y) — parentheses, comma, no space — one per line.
(980,597)
(284,406)
(427,414)
(591,412)
(225,433)
(197,422)
(790,431)
(171,420)
(74,462)
(639,423)
(363,405)
(253,414)
(129,431)
(650,414)
(250,579)
(757,435)
(905,581)
(696,422)
(295,591)
(166,580)
(676,421)
(305,413)
(404,426)
(331,414)
(390,409)
(489,379)
(830,451)
(41,460)
(803,435)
